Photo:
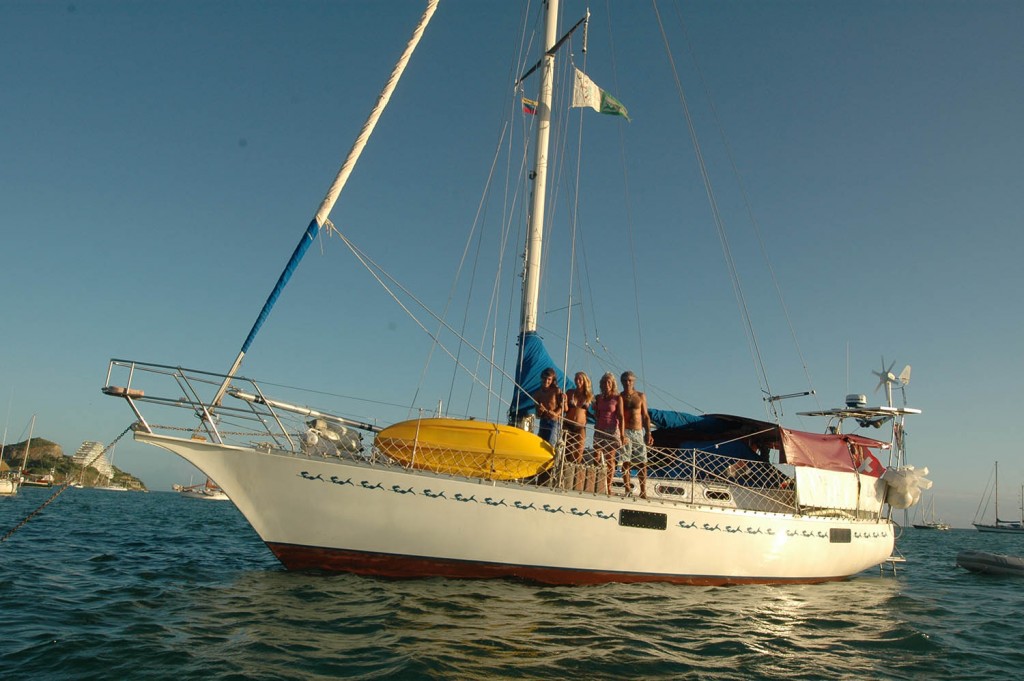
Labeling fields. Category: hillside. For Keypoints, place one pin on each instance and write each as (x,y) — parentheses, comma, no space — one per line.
(45,456)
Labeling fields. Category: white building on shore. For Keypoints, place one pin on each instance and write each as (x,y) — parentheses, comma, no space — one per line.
(91,453)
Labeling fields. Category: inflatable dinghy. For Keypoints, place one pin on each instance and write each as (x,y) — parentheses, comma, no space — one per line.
(990,563)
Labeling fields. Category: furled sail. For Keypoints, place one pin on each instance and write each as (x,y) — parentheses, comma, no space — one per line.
(533,359)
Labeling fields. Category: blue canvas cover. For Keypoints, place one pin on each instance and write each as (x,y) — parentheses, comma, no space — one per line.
(534,359)
(720,435)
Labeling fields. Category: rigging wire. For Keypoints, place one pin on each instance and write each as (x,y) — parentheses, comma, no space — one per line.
(63,488)
(747,205)
(380,274)
(627,203)
(719,226)
(477,234)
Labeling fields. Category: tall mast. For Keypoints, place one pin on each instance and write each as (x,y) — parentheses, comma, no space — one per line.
(322,213)
(535,228)
(997,492)
(28,444)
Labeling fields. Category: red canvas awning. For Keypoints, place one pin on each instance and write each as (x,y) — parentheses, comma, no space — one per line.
(831,452)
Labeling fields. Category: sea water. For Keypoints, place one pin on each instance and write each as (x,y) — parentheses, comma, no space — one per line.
(108,585)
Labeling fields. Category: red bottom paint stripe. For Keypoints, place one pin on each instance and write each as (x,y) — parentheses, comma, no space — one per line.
(307,558)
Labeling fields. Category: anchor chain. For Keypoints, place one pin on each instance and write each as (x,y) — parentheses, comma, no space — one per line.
(63,487)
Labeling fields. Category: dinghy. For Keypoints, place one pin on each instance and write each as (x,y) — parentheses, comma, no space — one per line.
(991,563)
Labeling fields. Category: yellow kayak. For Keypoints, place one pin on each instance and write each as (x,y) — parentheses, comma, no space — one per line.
(471,448)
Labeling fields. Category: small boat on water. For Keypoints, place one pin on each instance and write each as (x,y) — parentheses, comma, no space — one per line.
(207,490)
(11,479)
(111,488)
(46,480)
(8,481)
(931,522)
(991,563)
(1002,526)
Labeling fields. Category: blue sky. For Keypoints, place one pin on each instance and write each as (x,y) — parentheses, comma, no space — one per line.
(159,161)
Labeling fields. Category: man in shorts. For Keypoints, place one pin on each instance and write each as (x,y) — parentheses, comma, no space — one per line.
(637,422)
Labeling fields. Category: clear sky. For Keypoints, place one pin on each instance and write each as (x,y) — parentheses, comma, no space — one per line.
(159,161)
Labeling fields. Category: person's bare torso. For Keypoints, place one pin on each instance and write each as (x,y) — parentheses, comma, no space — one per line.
(633,403)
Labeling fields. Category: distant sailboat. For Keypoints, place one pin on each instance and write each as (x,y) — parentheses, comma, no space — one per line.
(208,490)
(110,486)
(1004,526)
(10,480)
(930,522)
(8,483)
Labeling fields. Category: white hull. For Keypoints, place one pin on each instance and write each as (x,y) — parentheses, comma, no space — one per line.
(8,487)
(209,496)
(351,516)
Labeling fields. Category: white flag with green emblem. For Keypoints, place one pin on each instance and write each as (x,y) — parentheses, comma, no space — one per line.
(586,93)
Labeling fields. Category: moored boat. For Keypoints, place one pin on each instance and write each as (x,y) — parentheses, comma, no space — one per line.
(991,563)
(728,500)
(12,479)
(8,485)
(998,525)
(208,491)
(930,521)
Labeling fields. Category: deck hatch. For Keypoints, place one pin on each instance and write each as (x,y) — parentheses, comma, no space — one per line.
(643,519)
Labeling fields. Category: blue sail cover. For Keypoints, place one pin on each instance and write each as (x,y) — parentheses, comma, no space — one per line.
(534,360)
(308,237)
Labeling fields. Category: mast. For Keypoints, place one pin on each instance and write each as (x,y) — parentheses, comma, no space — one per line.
(535,226)
(322,213)
(28,444)
(997,492)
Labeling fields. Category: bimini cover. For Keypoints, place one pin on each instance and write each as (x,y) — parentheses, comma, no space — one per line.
(534,359)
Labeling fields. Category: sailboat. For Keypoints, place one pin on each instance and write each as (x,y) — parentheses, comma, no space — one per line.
(8,478)
(11,480)
(729,500)
(208,490)
(109,486)
(1004,526)
(931,522)
(8,481)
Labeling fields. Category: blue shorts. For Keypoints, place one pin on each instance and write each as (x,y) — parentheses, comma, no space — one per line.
(634,449)
(547,430)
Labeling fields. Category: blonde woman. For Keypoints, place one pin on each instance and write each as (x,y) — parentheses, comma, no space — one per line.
(577,401)
(609,428)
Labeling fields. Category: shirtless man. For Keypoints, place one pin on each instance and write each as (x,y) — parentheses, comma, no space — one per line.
(550,405)
(637,422)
